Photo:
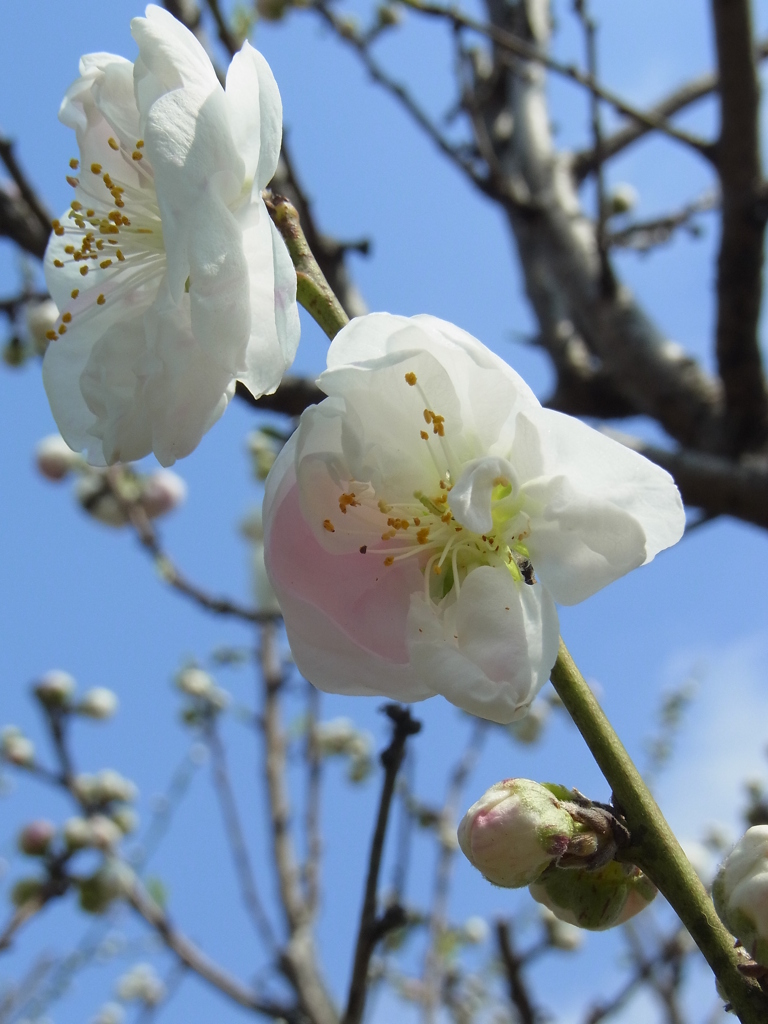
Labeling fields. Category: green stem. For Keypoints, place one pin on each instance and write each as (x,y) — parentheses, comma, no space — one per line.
(313,291)
(654,845)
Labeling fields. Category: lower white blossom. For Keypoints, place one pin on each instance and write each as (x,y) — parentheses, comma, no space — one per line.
(740,892)
(171,280)
(424,519)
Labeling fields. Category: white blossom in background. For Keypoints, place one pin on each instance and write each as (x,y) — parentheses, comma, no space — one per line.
(264,595)
(171,279)
(425,517)
(54,458)
(740,892)
(99,703)
(141,984)
(41,318)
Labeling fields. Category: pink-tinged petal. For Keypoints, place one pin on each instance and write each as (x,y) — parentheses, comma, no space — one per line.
(256,114)
(494,651)
(362,600)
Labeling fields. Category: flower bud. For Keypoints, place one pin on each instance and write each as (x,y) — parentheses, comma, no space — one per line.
(16,748)
(561,935)
(141,983)
(514,831)
(109,883)
(162,492)
(264,448)
(622,199)
(26,889)
(111,785)
(109,1013)
(126,819)
(54,689)
(740,892)
(105,833)
(194,682)
(595,900)
(35,838)
(77,833)
(528,730)
(54,458)
(96,498)
(41,318)
(98,703)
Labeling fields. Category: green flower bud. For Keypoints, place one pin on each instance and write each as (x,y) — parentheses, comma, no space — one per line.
(595,900)
(109,883)
(515,831)
(26,889)
(740,892)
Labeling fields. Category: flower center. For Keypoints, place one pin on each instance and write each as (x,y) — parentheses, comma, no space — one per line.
(428,529)
(113,229)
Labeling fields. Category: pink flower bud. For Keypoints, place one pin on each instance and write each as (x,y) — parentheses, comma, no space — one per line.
(514,831)
(36,837)
(163,491)
(54,458)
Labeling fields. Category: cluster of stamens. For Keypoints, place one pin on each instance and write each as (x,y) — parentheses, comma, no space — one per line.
(101,231)
(427,529)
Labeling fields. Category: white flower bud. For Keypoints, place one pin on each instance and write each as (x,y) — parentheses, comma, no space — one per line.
(98,703)
(514,831)
(126,819)
(264,449)
(54,458)
(335,735)
(111,785)
(475,930)
(194,682)
(623,198)
(561,934)
(740,892)
(528,730)
(162,492)
(109,1013)
(141,983)
(35,838)
(77,833)
(105,833)
(16,748)
(41,318)
(54,689)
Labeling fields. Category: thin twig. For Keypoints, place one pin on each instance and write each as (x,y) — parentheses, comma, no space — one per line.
(370,928)
(585,162)
(513,965)
(197,961)
(236,839)
(447,851)
(29,909)
(299,962)
(645,234)
(226,35)
(514,45)
(311,871)
(28,193)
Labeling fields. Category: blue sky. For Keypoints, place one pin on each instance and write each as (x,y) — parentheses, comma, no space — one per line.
(81,597)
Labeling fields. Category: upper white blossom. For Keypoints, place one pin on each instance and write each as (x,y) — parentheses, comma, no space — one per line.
(425,517)
(740,891)
(171,279)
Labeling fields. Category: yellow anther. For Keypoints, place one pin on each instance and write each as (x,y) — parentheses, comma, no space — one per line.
(437,425)
(136,155)
(75,292)
(58,231)
(119,203)
(62,329)
(389,535)
(67,318)
(124,220)
(422,535)
(410,378)
(447,517)
(113,143)
(100,300)
(119,255)
(139,143)
(96,168)
(328,525)
(91,213)
(428,415)
(58,263)
(69,250)
(384,507)
(76,206)
(389,560)
(74,163)
(143,231)
(348,501)
(105,263)
(51,335)
(74,182)
(416,521)
(83,271)
(437,570)
(424,435)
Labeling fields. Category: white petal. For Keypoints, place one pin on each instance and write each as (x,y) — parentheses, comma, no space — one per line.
(169,57)
(470,499)
(345,614)
(256,114)
(493,651)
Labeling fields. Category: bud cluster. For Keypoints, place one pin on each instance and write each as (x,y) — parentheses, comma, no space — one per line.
(339,737)
(109,495)
(206,697)
(561,845)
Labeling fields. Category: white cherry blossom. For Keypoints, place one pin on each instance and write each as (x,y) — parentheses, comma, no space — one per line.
(171,279)
(426,516)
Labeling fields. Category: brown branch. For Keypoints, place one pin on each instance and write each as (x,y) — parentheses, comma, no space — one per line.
(645,234)
(513,44)
(513,965)
(438,917)
(29,909)
(371,928)
(740,261)
(586,162)
(299,961)
(197,961)
(225,33)
(293,396)
(236,838)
